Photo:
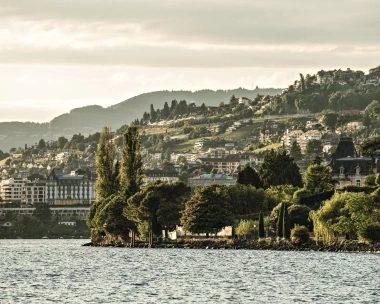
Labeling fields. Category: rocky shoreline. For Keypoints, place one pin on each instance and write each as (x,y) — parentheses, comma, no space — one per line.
(263,244)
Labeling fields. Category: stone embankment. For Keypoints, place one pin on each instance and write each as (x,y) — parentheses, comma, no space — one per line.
(263,244)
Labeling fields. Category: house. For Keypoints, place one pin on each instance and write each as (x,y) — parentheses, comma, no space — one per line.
(347,167)
(244,100)
(324,77)
(152,175)
(354,126)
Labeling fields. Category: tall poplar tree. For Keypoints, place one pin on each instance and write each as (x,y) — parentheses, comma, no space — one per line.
(261,225)
(105,168)
(131,164)
(280,222)
(285,222)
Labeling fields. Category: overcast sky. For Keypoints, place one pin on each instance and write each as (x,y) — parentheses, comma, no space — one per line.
(56,55)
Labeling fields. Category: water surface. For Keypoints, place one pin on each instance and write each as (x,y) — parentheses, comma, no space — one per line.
(61,271)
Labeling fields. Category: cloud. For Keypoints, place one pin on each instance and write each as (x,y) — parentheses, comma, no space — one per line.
(188,33)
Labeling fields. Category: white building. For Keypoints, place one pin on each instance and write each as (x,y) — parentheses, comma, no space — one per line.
(11,189)
(76,188)
(152,175)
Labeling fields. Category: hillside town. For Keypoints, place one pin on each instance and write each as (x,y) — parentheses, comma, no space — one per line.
(207,145)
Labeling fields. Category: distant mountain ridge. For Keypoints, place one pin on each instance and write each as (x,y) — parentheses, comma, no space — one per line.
(90,119)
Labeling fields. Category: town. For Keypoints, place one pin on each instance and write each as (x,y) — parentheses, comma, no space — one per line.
(320,120)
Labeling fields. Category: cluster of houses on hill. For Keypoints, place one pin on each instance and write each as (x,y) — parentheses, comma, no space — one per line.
(70,195)
(341,77)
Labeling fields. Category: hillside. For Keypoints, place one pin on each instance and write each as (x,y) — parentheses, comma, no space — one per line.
(90,119)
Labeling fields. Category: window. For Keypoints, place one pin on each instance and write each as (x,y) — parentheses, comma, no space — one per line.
(358,182)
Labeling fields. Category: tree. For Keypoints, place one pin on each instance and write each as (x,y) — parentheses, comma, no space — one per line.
(280,222)
(345,214)
(299,215)
(158,204)
(370,180)
(303,84)
(278,168)
(366,120)
(208,210)
(42,212)
(243,228)
(330,120)
(370,145)
(152,114)
(131,164)
(261,225)
(61,142)
(318,178)
(295,151)
(111,218)
(41,144)
(371,233)
(286,222)
(105,168)
(314,148)
(249,176)
(247,199)
(166,110)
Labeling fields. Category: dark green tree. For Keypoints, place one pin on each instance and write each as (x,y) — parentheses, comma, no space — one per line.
(105,168)
(318,178)
(303,83)
(166,110)
(131,164)
(173,106)
(261,225)
(280,222)
(314,148)
(110,218)
(42,212)
(249,176)
(330,120)
(295,151)
(299,215)
(208,210)
(286,222)
(61,142)
(370,145)
(279,168)
(159,204)
(152,114)
(41,144)
(371,233)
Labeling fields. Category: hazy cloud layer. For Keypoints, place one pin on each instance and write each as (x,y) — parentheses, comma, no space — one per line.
(189,33)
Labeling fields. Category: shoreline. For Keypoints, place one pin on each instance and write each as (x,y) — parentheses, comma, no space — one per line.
(264,244)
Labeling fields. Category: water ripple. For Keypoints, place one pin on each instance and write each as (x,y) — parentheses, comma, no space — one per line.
(61,271)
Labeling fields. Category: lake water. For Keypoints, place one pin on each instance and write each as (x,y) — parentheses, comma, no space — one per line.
(61,271)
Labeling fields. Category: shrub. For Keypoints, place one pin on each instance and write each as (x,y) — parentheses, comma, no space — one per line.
(300,235)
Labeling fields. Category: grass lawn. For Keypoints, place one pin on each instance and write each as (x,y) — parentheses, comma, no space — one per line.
(272,146)
(2,162)
(185,146)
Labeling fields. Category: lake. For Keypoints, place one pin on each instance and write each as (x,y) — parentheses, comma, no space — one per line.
(61,271)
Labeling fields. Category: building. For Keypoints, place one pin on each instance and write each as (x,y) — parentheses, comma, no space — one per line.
(33,192)
(347,167)
(76,188)
(324,77)
(152,175)
(227,164)
(64,212)
(208,179)
(11,189)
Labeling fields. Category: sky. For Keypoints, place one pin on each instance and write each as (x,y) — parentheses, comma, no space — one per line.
(56,55)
